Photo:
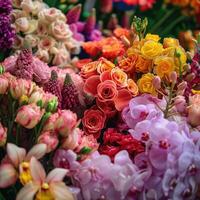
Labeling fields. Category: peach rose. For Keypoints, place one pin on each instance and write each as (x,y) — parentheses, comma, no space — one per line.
(21,87)
(119,77)
(132,87)
(89,69)
(42,29)
(29,116)
(104,65)
(143,65)
(107,91)
(60,30)
(128,64)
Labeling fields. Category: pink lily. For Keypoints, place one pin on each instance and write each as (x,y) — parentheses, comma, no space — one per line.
(17,164)
(42,187)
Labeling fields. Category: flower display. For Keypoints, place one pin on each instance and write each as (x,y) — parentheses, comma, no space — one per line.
(93,107)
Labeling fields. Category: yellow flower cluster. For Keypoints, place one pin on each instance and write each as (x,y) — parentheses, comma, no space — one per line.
(156,58)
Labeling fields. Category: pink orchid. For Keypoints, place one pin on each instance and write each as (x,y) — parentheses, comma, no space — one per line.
(17,165)
(45,187)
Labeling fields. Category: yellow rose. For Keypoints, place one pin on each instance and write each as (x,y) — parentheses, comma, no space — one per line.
(164,66)
(170,42)
(153,37)
(151,49)
(145,84)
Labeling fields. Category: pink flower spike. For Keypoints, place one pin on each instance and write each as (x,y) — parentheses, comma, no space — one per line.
(28,191)
(37,151)
(56,175)
(16,154)
(37,171)
(8,175)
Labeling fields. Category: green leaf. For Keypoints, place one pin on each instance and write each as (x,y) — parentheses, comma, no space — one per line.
(85,150)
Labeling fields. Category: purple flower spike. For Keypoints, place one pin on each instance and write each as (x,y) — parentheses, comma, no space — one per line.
(90,23)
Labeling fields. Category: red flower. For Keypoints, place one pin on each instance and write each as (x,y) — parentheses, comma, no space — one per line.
(93,121)
(113,142)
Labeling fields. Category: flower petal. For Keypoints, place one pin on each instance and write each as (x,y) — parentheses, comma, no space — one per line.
(91,85)
(56,175)
(37,151)
(37,171)
(27,192)
(15,153)
(122,100)
(105,76)
(60,191)
(8,175)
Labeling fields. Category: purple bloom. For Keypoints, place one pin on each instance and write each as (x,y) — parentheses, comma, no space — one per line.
(5,7)
(144,107)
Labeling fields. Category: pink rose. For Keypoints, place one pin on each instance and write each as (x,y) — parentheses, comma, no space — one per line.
(21,87)
(60,30)
(3,135)
(66,122)
(194,110)
(46,43)
(9,63)
(50,139)
(29,116)
(4,84)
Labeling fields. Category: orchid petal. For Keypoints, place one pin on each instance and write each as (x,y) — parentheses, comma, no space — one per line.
(56,175)
(37,151)
(37,171)
(28,192)
(60,191)
(15,153)
(8,175)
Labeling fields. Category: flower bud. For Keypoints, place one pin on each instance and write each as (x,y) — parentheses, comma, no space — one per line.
(173,77)
(3,135)
(157,82)
(3,85)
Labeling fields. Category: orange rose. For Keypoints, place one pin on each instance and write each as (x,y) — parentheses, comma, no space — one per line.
(89,69)
(132,87)
(119,77)
(92,48)
(104,65)
(143,65)
(119,32)
(128,64)
(107,90)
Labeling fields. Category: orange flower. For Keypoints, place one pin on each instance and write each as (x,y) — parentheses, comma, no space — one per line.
(92,48)
(119,32)
(128,64)
(89,69)
(80,63)
(143,65)
(107,90)
(119,77)
(111,47)
(132,87)
(104,65)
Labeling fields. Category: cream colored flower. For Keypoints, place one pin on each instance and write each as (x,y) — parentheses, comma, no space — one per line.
(43,55)
(60,30)
(46,43)
(22,24)
(27,5)
(61,58)
(33,25)
(50,15)
(32,40)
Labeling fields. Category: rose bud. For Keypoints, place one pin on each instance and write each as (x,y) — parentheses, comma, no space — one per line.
(3,135)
